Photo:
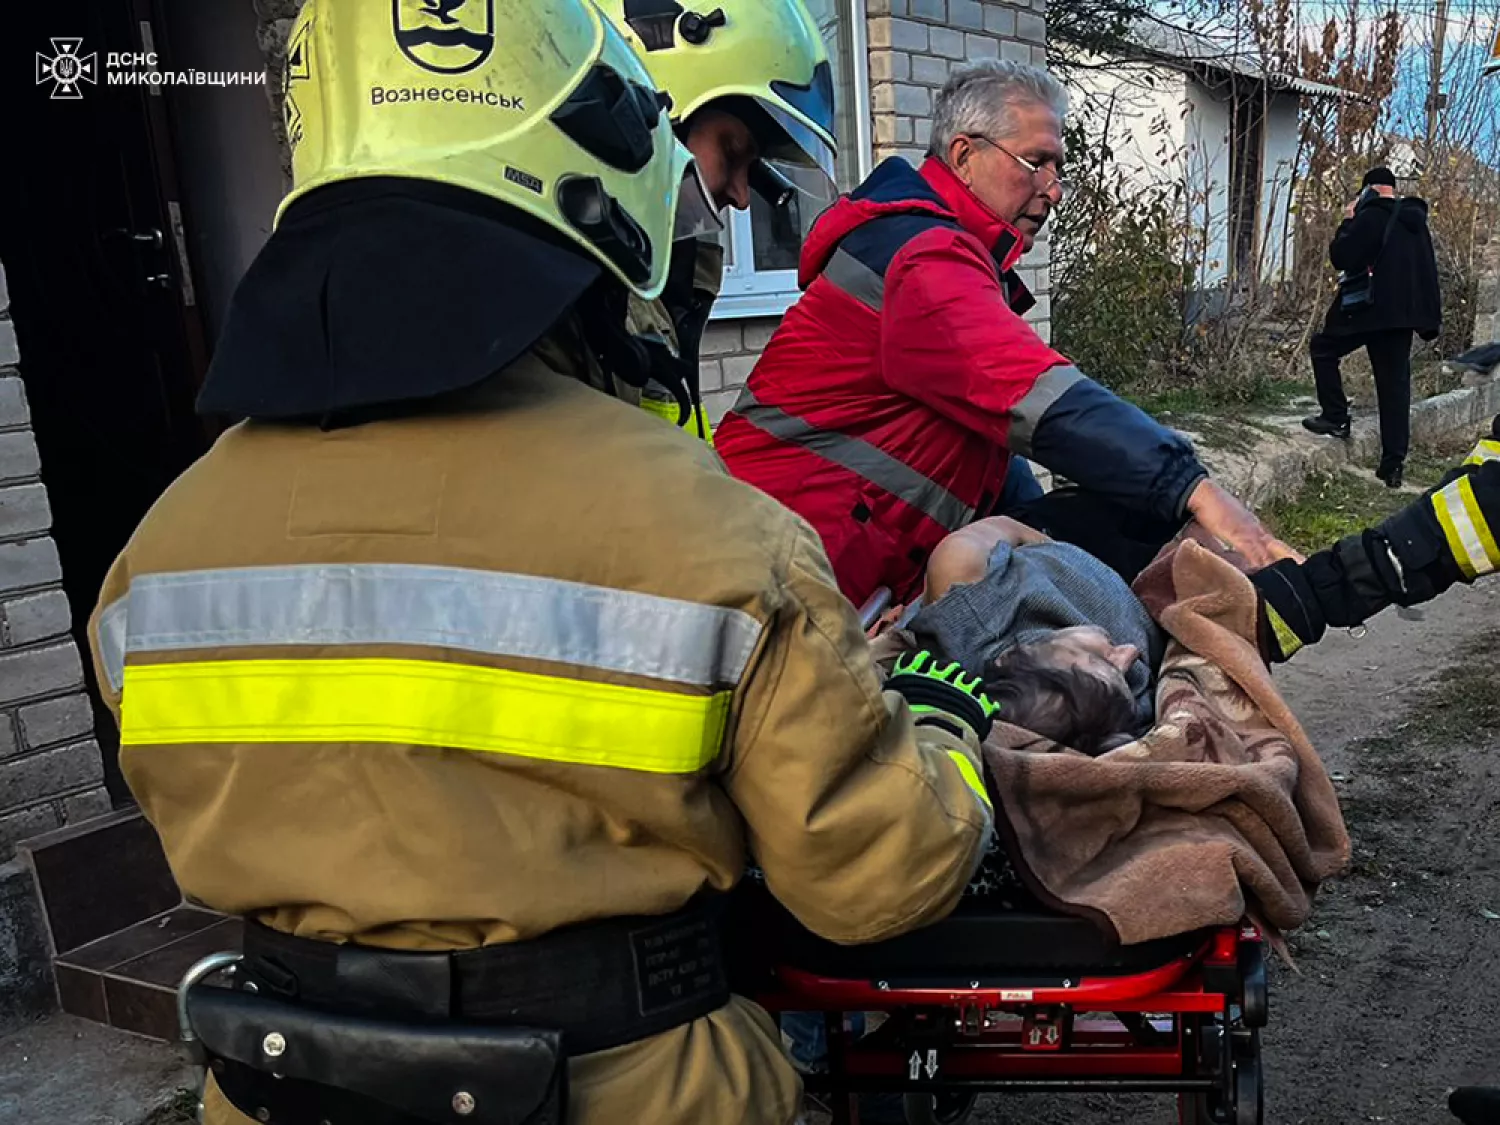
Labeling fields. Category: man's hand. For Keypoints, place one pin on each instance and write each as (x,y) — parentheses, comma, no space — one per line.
(1349,210)
(1236,526)
(885,622)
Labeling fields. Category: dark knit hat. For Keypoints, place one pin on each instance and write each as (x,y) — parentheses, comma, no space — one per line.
(1382,177)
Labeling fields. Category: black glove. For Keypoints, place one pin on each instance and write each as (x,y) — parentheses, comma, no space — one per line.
(941,695)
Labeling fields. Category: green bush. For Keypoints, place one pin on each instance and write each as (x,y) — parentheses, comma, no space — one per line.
(1116,311)
(1117,267)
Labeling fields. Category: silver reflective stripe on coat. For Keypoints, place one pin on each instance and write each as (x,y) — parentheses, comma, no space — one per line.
(1027,414)
(387,604)
(856,279)
(861,458)
(112,642)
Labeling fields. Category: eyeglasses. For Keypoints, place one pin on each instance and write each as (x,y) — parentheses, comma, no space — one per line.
(1053,180)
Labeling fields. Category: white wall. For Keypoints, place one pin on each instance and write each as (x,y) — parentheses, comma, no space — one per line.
(1165,127)
(1281,144)
(1208,184)
(1138,110)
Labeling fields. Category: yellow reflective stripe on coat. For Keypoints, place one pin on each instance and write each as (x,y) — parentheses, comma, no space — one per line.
(1468,534)
(971,776)
(1487,450)
(1286,637)
(425,703)
(667,412)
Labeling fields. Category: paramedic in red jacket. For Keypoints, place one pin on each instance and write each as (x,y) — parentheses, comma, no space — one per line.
(887,406)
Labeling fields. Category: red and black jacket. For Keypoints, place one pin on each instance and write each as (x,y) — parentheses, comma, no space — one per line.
(887,405)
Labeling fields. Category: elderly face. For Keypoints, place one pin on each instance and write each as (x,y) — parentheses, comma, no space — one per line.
(995,168)
(1089,649)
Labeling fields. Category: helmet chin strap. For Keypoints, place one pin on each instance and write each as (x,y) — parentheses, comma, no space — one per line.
(621,355)
(681,378)
(697,214)
(636,360)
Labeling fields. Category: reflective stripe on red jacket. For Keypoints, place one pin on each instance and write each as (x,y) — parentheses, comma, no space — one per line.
(887,404)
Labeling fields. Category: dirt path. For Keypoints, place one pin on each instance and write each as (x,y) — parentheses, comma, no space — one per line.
(1398,994)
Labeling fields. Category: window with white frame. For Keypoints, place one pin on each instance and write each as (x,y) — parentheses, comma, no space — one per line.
(761,247)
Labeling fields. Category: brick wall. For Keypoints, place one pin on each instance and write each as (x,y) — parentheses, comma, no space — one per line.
(730,349)
(51,772)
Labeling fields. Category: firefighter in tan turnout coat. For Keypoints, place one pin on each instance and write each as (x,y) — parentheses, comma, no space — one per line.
(469,686)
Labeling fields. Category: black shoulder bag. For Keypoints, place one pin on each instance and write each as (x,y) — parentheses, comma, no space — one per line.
(1357,290)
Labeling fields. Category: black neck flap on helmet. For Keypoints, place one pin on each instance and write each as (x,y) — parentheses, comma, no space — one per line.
(380,292)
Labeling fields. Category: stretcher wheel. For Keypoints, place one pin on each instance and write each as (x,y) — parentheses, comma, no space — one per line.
(1249,1082)
(1208,1055)
(1255,1003)
(940,1109)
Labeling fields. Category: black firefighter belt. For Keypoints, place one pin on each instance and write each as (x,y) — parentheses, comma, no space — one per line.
(322,1034)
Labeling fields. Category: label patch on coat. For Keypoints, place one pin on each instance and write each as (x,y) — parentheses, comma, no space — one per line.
(675,963)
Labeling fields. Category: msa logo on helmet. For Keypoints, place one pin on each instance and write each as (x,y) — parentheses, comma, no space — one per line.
(445,36)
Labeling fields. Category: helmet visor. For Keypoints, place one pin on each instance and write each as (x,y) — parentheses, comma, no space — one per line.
(794,142)
(807,117)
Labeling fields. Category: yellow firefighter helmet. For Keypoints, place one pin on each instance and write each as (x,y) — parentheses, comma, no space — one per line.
(541,105)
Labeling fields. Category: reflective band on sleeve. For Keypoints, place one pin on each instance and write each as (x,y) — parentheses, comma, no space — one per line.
(856,279)
(422,703)
(1487,450)
(473,611)
(667,412)
(861,458)
(971,776)
(112,642)
(1286,638)
(1027,414)
(1468,534)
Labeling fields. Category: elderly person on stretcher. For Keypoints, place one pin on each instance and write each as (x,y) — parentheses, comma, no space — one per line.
(1144,769)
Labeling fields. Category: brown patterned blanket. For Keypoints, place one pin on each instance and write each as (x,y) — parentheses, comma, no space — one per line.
(1223,808)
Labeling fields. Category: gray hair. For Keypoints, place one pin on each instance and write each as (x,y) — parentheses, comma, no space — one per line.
(982,96)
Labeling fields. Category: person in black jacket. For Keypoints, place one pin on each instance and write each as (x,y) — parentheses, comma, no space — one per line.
(1384,237)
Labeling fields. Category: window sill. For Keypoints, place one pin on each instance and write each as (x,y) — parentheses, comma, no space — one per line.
(744,306)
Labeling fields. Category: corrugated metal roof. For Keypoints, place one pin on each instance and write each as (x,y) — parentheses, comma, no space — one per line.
(1310,88)
(1224,53)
